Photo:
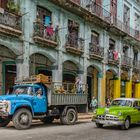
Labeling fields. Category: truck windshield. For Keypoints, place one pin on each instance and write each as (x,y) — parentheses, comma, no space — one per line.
(121,103)
(23,90)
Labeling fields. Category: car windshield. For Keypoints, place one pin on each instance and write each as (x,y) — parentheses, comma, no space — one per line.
(121,103)
(23,90)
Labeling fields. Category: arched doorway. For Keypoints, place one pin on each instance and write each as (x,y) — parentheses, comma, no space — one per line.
(124,79)
(135,79)
(40,64)
(7,69)
(92,82)
(110,77)
(70,71)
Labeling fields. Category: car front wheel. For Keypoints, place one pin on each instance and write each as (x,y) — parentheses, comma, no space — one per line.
(98,125)
(126,124)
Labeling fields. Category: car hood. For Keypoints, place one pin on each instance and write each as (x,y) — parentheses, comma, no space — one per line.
(113,110)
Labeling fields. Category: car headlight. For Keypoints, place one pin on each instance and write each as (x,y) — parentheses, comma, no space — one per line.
(120,113)
(95,111)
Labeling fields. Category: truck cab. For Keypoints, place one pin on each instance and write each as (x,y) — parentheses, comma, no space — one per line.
(36,99)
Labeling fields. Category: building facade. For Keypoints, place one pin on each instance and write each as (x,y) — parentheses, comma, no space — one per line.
(96,40)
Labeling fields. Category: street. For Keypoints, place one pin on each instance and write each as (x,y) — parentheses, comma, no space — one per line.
(83,130)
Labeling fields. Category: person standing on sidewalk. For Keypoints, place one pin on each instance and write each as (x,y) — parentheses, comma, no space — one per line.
(93,103)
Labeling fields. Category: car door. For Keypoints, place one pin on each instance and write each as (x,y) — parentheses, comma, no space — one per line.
(39,102)
(136,112)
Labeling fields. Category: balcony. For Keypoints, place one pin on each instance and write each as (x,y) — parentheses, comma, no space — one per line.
(113,57)
(45,35)
(136,66)
(90,11)
(126,61)
(74,45)
(96,51)
(118,27)
(10,24)
(99,11)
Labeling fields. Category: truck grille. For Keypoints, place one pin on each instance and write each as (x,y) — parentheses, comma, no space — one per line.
(107,117)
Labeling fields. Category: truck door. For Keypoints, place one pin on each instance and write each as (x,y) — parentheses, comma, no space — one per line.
(40,101)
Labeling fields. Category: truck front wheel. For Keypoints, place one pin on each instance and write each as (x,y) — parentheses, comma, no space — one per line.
(4,122)
(22,119)
(70,117)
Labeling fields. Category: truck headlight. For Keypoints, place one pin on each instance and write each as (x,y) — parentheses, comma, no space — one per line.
(6,106)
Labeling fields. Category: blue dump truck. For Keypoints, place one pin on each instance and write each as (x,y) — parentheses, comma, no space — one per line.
(38,98)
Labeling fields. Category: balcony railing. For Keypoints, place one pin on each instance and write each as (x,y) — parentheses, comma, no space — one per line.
(126,61)
(96,51)
(99,11)
(74,44)
(126,28)
(10,23)
(113,57)
(44,34)
(136,64)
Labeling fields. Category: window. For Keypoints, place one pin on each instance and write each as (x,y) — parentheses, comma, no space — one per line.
(3,4)
(94,38)
(136,104)
(126,15)
(44,15)
(111,44)
(113,9)
(73,31)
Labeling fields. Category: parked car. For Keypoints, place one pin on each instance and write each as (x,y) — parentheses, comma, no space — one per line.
(122,112)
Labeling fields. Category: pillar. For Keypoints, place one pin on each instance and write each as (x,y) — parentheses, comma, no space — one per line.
(117,89)
(137,90)
(101,89)
(128,89)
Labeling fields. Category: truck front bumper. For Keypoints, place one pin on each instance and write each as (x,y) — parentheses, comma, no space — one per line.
(109,122)
(4,114)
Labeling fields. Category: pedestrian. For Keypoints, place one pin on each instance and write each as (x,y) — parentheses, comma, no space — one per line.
(78,85)
(93,103)
(108,101)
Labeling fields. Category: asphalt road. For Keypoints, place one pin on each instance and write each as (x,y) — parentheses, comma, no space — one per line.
(83,130)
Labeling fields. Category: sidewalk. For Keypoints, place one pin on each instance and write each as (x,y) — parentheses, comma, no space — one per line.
(82,116)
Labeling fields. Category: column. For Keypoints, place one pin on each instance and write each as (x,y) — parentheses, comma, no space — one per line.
(101,89)
(117,88)
(137,90)
(128,89)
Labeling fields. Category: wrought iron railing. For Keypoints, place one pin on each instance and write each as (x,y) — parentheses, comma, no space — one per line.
(95,49)
(126,61)
(11,20)
(113,56)
(74,42)
(126,28)
(45,32)
(136,64)
(98,10)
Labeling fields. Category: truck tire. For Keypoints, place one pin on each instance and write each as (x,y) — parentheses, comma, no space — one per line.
(47,120)
(4,122)
(70,117)
(22,119)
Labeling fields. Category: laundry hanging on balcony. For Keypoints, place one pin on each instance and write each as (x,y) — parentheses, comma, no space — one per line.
(116,55)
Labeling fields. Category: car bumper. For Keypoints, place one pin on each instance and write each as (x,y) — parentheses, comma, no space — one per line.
(109,122)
